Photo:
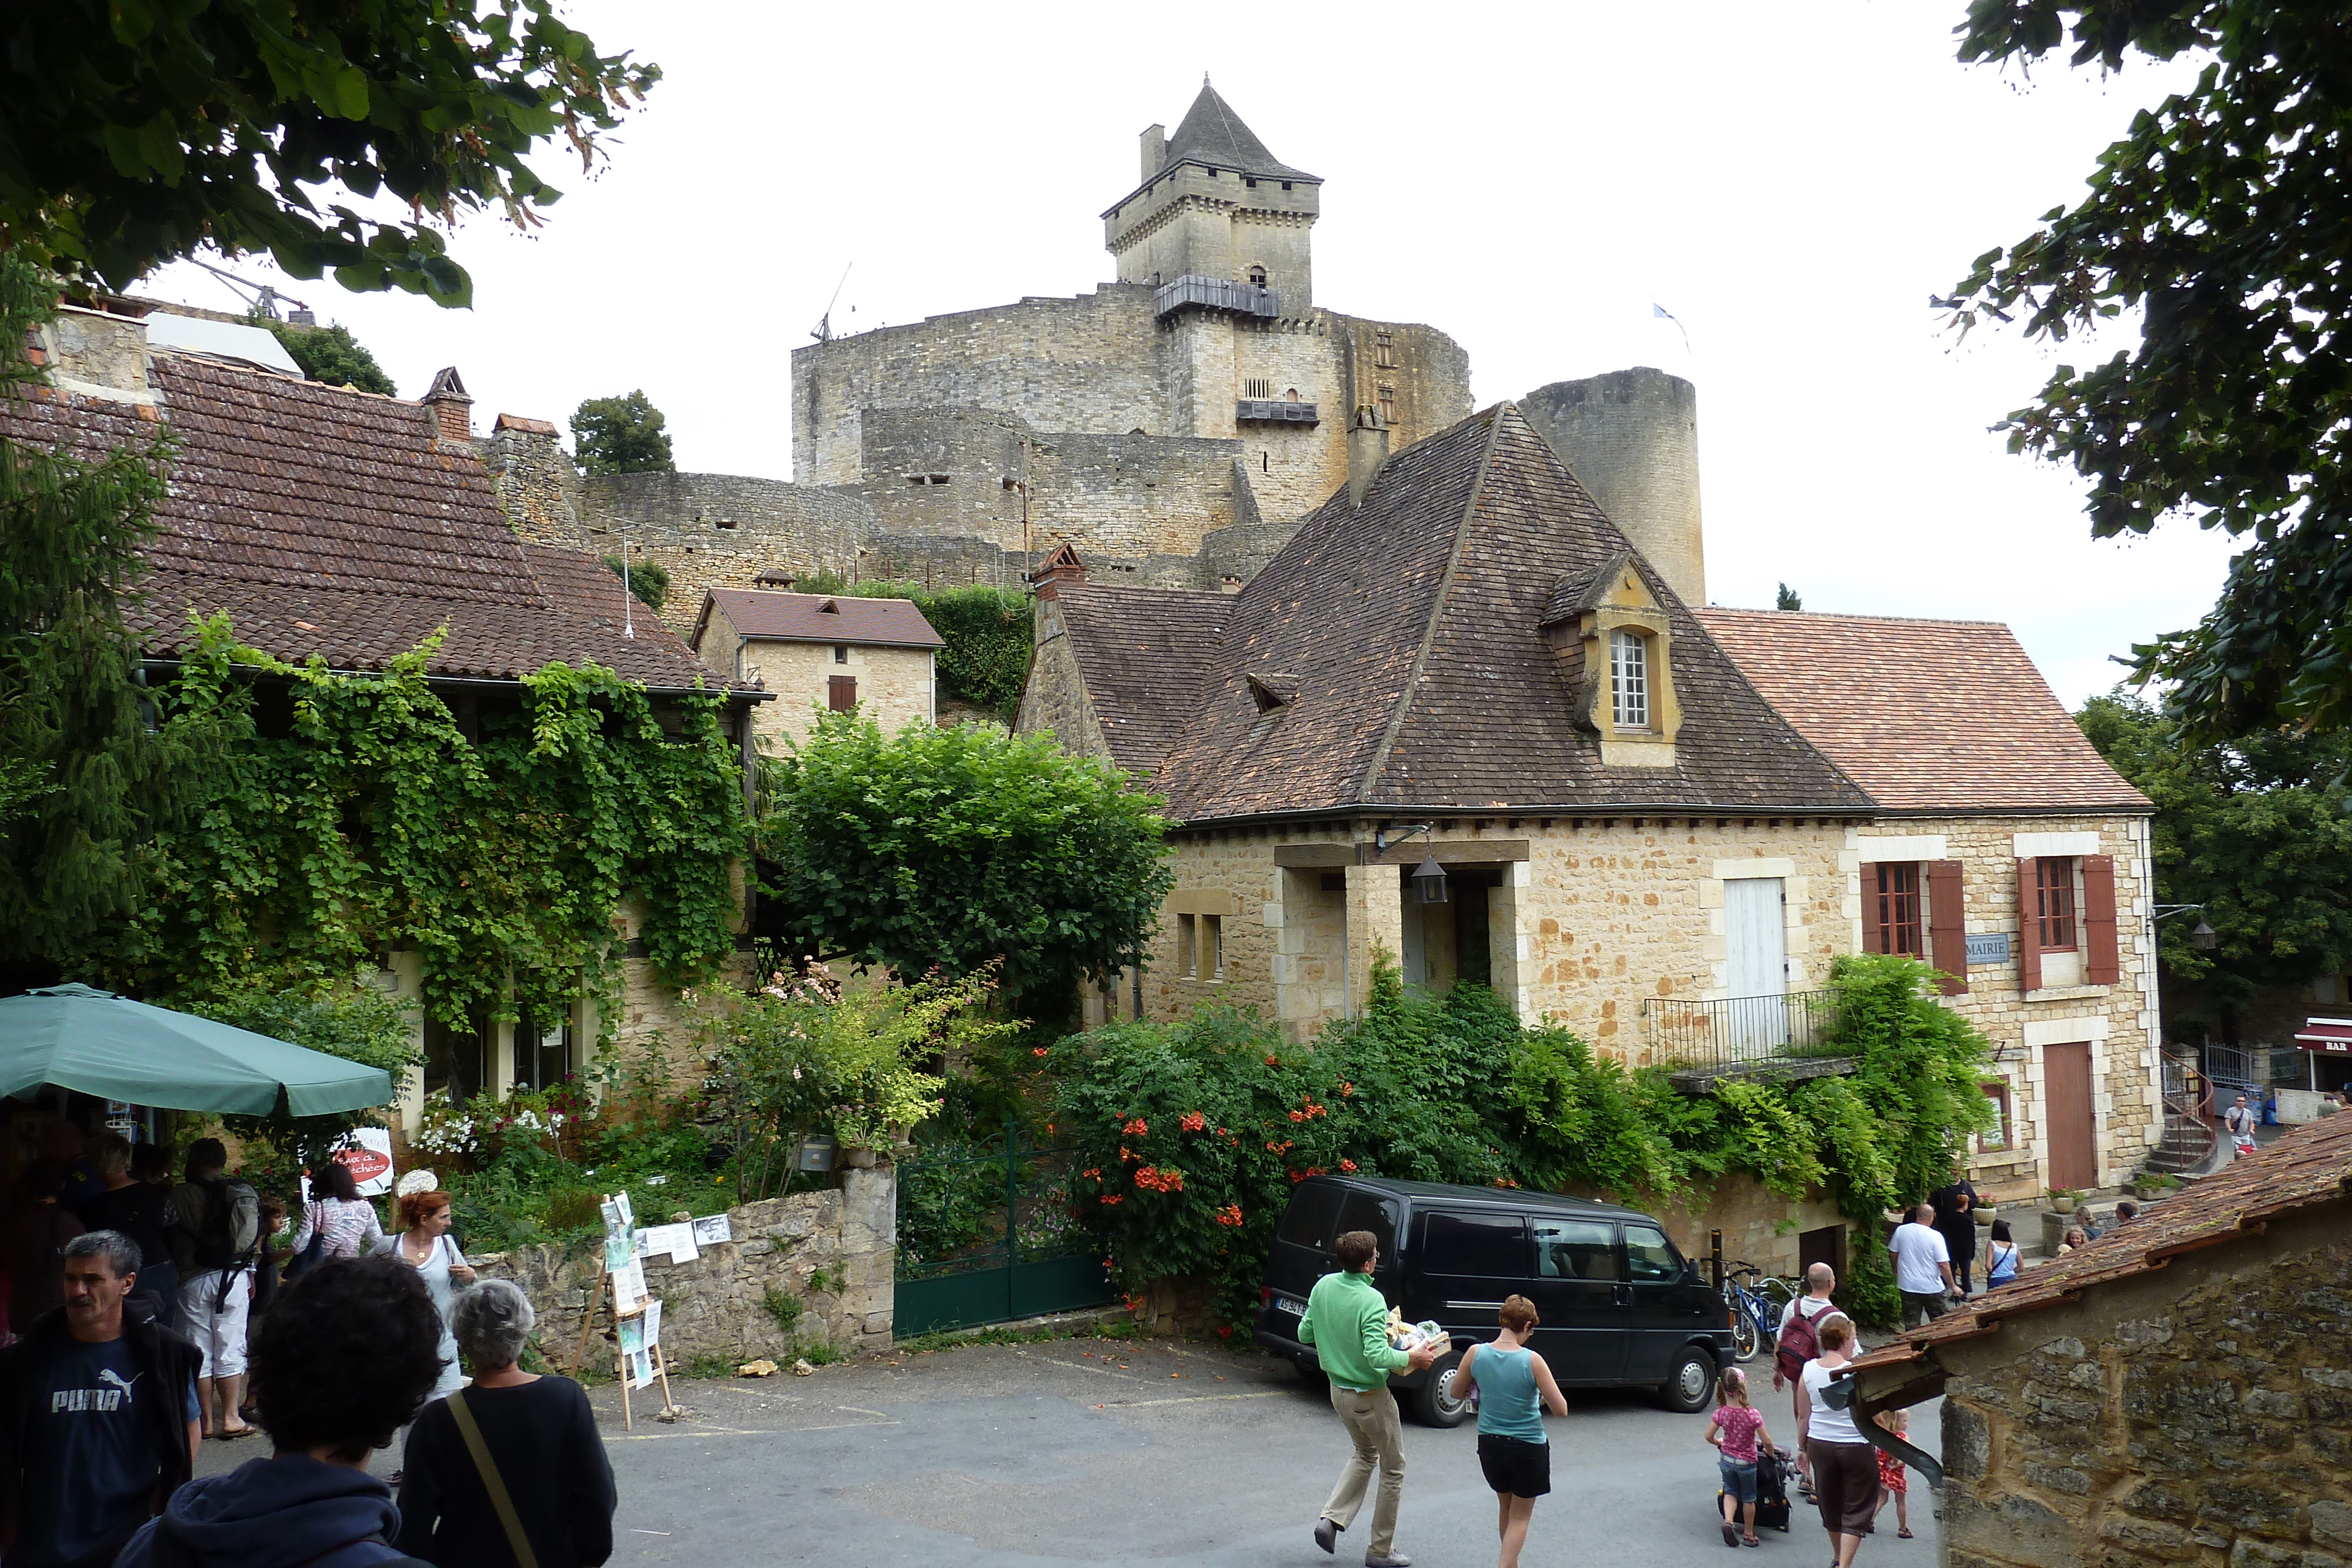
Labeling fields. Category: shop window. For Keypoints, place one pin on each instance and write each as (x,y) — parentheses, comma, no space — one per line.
(457,1057)
(544,1050)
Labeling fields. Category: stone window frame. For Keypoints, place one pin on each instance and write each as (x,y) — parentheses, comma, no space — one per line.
(2067,891)
(1997,1090)
(1629,680)
(1884,906)
(1649,745)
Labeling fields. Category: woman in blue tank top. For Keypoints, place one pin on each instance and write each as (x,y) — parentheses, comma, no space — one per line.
(1515,1389)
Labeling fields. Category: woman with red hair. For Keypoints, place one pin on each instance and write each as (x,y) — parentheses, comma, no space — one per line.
(424,1244)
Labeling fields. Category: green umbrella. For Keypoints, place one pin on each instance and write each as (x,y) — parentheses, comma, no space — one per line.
(109,1046)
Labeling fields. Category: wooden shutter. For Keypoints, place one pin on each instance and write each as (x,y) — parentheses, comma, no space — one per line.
(2102,966)
(841,692)
(2029,930)
(1948,925)
(1874,934)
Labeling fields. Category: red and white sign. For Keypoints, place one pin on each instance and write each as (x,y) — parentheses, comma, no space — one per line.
(369,1156)
(2333,1036)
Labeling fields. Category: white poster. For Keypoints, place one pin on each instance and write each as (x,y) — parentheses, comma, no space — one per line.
(678,1241)
(641,1370)
(653,1321)
(628,1289)
(368,1152)
(712,1230)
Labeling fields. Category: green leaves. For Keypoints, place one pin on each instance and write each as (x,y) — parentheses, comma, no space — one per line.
(954,847)
(2222,216)
(620,435)
(133,131)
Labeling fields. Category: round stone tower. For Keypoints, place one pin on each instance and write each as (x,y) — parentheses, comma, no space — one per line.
(1631,437)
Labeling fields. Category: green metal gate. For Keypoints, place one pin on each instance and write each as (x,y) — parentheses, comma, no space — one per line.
(991,1235)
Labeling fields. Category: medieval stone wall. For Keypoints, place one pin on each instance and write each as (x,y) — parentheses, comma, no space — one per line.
(718,1305)
(537,486)
(722,530)
(2198,1415)
(1055,697)
(894,687)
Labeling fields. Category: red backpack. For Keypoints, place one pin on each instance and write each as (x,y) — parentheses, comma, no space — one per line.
(1798,1343)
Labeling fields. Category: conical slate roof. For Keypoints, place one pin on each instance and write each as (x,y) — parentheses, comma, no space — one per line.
(1403,640)
(1213,134)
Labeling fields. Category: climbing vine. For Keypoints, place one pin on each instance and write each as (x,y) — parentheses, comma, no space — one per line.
(341,815)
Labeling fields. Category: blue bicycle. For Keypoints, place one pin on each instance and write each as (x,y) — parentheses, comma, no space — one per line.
(1750,1294)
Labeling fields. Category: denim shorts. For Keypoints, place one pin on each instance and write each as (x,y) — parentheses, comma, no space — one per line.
(1739,1479)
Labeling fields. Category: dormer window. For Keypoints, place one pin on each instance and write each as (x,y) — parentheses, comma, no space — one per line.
(1629,679)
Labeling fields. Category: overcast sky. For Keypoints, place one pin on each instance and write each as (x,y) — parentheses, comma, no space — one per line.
(1791,181)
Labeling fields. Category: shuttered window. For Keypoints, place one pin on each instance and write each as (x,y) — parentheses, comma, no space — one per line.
(1947,927)
(2054,905)
(1891,916)
(2102,963)
(841,692)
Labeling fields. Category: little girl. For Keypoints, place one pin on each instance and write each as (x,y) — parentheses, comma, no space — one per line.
(1893,1478)
(1742,1427)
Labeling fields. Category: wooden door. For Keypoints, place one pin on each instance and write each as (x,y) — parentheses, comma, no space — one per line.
(2066,1117)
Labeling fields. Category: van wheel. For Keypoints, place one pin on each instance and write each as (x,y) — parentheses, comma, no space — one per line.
(1445,1399)
(1687,1391)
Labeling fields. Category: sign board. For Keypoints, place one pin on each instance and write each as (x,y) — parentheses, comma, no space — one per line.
(1989,946)
(367,1152)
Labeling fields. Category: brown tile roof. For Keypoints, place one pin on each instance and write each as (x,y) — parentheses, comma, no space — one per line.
(2309,1167)
(1145,653)
(1928,715)
(821,618)
(333,523)
(1412,625)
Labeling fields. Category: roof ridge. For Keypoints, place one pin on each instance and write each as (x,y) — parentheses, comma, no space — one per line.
(1855,615)
(1437,603)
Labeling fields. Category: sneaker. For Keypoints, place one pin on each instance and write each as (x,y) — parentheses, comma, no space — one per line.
(1327,1535)
(1393,1560)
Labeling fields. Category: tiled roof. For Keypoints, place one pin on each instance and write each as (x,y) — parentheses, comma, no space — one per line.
(334,523)
(1213,134)
(1145,653)
(1412,623)
(1927,715)
(821,618)
(2309,1167)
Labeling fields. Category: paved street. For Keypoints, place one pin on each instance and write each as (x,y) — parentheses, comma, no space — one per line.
(1089,1451)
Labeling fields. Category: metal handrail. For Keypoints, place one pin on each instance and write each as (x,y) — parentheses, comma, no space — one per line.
(1728,1032)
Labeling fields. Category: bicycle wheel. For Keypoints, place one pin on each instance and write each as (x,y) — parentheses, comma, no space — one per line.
(1745,1341)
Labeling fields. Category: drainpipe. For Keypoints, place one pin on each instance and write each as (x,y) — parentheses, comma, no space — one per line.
(1347,942)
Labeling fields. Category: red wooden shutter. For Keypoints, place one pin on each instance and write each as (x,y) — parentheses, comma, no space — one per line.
(1874,934)
(2029,931)
(2103,967)
(1948,925)
(841,692)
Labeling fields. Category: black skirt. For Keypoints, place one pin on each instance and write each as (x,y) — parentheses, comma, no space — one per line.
(1515,1465)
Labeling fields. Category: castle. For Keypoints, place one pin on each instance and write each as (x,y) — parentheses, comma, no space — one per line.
(1172,426)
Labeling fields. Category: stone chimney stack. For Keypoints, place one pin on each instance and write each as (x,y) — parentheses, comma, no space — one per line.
(1367,449)
(451,407)
(1060,566)
(1631,437)
(1155,149)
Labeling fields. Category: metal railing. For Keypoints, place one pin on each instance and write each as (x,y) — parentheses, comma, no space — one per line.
(1733,1031)
(1218,294)
(1274,411)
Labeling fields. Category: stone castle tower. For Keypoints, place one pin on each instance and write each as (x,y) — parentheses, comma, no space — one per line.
(1171,426)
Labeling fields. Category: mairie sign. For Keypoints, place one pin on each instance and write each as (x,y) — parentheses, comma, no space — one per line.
(1988,946)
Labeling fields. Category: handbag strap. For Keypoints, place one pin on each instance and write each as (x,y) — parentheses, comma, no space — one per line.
(492,1483)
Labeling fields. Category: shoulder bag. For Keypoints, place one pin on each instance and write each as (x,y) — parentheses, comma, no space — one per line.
(492,1483)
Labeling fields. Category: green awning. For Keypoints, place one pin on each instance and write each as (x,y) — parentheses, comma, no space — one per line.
(109,1046)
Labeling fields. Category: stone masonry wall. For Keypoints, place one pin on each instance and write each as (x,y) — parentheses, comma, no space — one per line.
(717,1305)
(538,488)
(894,687)
(2118,1022)
(2198,1414)
(719,530)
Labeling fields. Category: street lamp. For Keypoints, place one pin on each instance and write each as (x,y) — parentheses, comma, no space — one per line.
(1428,878)
(2203,937)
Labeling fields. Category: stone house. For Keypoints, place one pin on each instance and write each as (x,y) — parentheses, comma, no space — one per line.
(2179,1391)
(2006,852)
(822,653)
(1460,665)
(340,525)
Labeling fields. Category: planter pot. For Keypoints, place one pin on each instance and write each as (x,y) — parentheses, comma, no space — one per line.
(858,1159)
(1986,1214)
(2063,1205)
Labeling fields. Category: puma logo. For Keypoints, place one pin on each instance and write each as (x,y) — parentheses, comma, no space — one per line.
(109,1376)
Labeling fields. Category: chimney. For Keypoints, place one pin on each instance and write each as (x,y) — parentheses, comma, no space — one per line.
(776,579)
(452,408)
(1060,566)
(1367,448)
(1155,149)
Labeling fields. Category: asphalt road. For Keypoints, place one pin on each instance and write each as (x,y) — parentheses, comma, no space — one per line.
(1091,1452)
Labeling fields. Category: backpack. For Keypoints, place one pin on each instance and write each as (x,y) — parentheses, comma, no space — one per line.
(231,1227)
(1798,1343)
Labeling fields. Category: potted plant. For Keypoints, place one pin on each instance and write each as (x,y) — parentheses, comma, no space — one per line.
(2062,1199)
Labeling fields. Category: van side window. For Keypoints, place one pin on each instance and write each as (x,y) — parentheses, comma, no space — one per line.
(1362,1211)
(1650,1256)
(1576,1249)
(1308,1221)
(1486,1244)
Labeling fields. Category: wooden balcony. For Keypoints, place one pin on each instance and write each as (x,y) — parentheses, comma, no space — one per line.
(1215,294)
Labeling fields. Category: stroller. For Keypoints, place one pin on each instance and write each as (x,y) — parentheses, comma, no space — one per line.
(1771,1488)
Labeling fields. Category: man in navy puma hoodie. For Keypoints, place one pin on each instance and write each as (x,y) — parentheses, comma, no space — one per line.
(346,1358)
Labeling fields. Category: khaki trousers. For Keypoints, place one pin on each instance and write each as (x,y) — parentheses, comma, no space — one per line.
(1373,1427)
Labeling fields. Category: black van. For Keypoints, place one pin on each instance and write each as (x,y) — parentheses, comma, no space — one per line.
(1619,1306)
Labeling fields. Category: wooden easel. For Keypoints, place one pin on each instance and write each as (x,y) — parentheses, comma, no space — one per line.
(620,1357)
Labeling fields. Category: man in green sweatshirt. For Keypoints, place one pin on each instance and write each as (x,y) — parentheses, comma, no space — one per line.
(1347,1322)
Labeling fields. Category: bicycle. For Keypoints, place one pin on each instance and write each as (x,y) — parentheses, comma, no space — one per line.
(1755,1315)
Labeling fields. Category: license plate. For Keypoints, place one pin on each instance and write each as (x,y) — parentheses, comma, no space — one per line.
(1284,1304)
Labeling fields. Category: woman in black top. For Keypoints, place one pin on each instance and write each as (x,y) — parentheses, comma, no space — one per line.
(542,1437)
(140,1210)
